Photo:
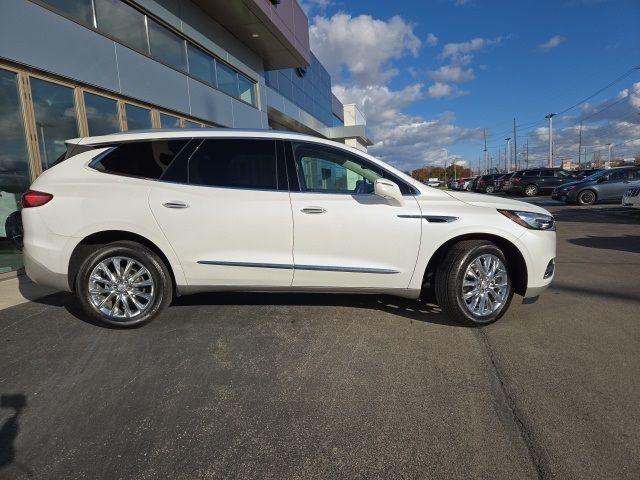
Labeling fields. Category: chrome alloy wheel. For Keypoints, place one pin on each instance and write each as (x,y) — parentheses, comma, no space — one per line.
(485,285)
(121,288)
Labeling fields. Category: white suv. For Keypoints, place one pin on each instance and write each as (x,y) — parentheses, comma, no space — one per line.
(127,221)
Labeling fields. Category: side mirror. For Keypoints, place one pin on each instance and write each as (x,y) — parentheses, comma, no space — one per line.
(389,191)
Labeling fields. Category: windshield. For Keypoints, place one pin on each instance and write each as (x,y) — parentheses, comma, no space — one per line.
(596,175)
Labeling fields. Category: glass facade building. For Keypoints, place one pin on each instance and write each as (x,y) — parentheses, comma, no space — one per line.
(103,66)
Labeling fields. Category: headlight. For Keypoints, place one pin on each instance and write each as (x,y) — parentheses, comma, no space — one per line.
(531,220)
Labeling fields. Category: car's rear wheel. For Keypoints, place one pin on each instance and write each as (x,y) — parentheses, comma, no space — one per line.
(123,284)
(473,284)
(531,190)
(490,189)
(587,197)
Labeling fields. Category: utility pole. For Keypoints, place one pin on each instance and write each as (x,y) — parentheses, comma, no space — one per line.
(526,157)
(486,161)
(550,117)
(515,143)
(580,148)
(507,157)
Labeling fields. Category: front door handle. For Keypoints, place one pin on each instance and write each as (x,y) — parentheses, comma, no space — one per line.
(313,210)
(175,204)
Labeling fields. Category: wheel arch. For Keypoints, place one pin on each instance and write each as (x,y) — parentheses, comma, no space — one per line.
(517,263)
(109,236)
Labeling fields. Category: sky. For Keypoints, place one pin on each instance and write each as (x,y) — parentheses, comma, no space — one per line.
(431,76)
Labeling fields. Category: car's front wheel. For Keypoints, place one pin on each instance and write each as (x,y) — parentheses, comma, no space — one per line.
(472,284)
(490,189)
(587,197)
(123,284)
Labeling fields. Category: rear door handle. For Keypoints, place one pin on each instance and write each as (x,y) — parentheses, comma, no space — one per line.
(175,204)
(313,210)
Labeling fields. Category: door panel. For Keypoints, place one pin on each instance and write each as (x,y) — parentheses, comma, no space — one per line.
(344,235)
(359,241)
(232,230)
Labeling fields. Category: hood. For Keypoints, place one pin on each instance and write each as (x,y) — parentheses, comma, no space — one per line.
(491,201)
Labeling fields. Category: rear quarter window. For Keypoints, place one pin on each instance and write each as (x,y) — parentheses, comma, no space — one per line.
(146,159)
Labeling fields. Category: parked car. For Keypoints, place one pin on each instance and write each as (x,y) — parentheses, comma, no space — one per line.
(500,181)
(586,173)
(453,184)
(603,186)
(631,197)
(434,182)
(537,181)
(465,183)
(131,219)
(486,183)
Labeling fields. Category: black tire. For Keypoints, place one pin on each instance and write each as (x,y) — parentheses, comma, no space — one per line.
(530,190)
(490,189)
(450,276)
(157,271)
(587,197)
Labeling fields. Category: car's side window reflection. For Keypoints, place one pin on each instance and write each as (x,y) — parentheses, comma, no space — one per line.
(327,170)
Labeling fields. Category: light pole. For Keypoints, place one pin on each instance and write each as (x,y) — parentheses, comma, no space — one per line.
(507,156)
(550,117)
(610,146)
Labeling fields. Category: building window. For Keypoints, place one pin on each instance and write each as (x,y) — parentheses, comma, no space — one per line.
(79,10)
(246,89)
(190,124)
(166,46)
(102,114)
(14,171)
(227,79)
(122,22)
(138,118)
(201,65)
(55,114)
(169,121)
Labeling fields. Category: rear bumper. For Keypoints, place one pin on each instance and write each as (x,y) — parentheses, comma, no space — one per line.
(43,275)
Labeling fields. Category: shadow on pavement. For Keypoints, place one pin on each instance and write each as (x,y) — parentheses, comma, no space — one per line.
(611,215)
(9,432)
(595,292)
(626,243)
(405,308)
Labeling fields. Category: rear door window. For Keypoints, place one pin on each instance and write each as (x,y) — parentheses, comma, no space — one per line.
(146,159)
(547,173)
(235,163)
(530,173)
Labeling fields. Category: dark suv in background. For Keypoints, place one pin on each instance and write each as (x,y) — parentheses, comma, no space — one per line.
(603,186)
(537,181)
(486,183)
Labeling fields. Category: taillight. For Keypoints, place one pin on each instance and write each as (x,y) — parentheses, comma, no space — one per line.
(515,179)
(33,198)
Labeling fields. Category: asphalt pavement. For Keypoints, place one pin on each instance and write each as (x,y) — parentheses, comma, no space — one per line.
(339,386)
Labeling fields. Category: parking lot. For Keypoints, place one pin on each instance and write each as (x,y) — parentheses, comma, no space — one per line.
(326,386)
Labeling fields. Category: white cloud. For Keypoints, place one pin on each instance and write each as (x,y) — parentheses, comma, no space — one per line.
(460,53)
(360,52)
(315,6)
(552,43)
(432,40)
(451,73)
(362,45)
